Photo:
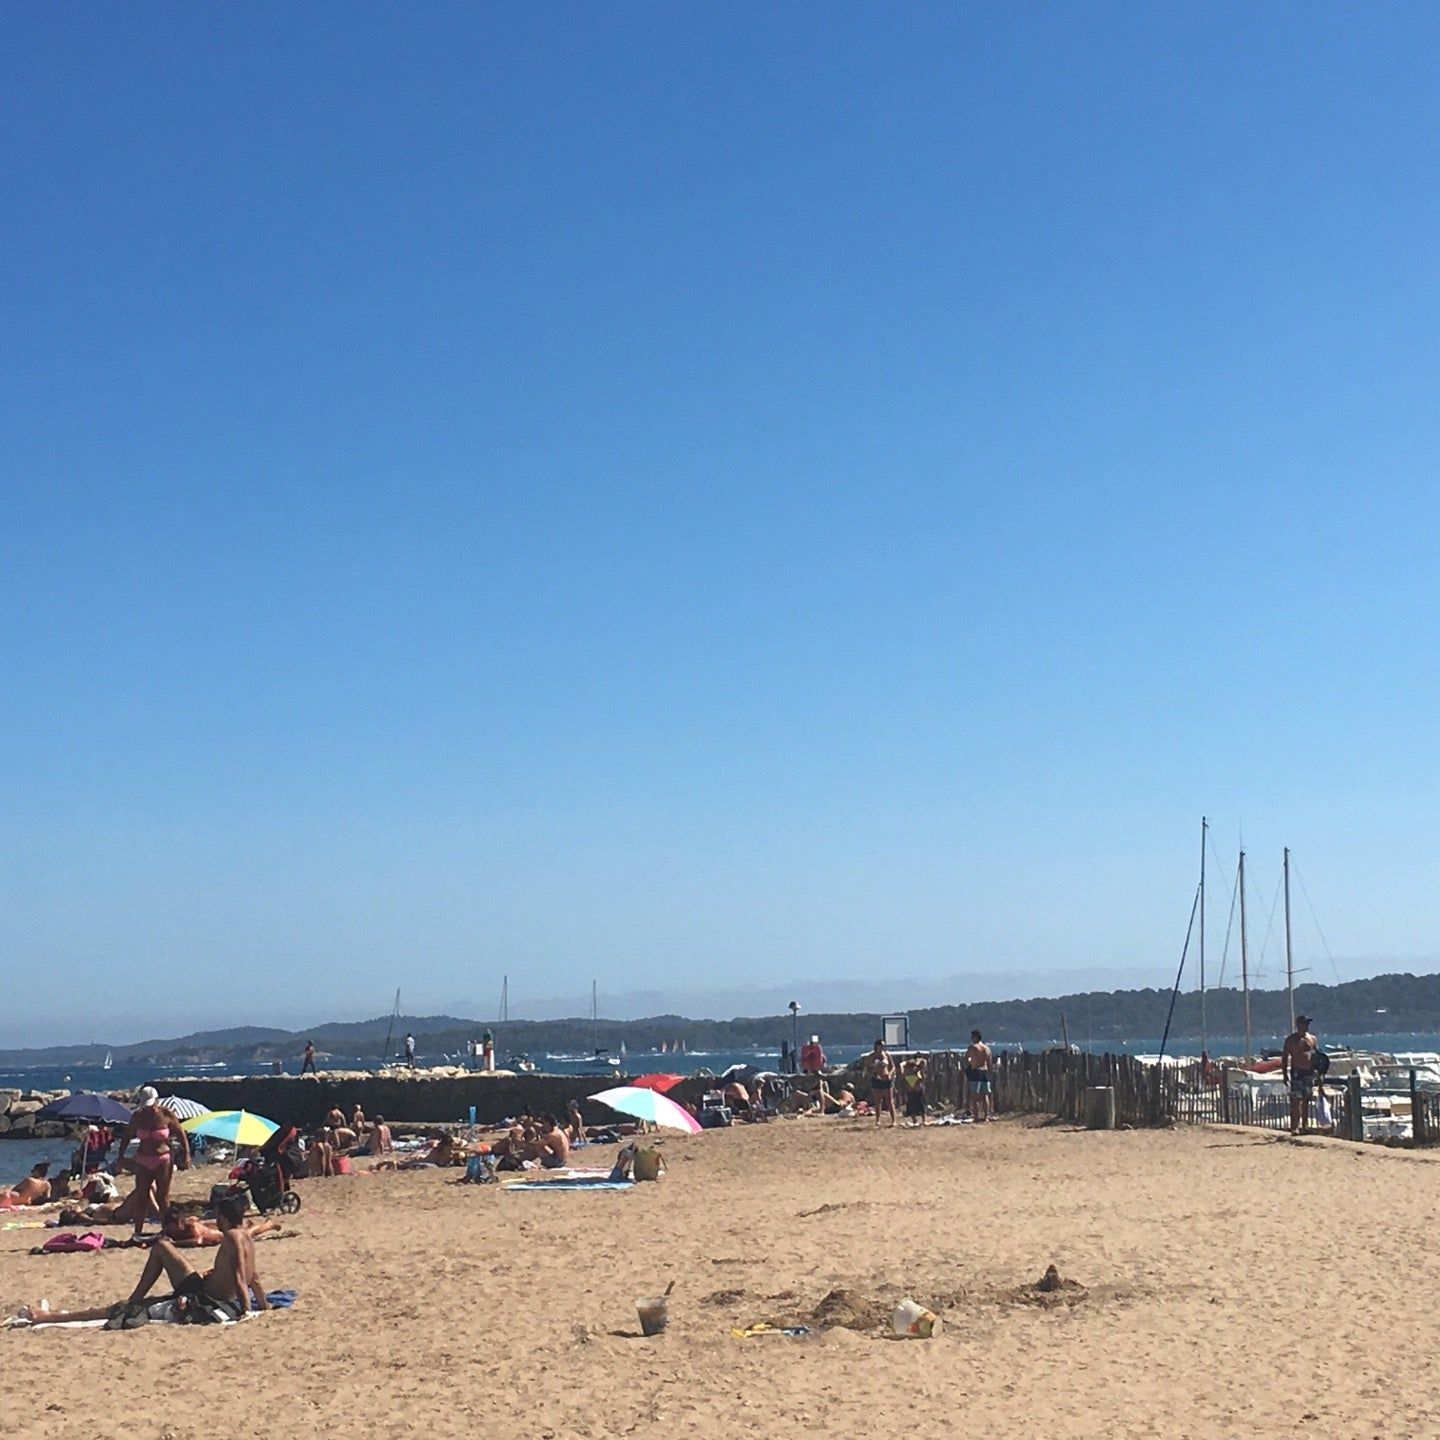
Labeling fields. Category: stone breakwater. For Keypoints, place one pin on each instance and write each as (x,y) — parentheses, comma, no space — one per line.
(18,1109)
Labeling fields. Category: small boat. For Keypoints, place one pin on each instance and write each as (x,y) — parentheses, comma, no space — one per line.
(109,1062)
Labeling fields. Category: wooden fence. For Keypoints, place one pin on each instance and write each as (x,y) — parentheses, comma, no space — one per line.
(1055,1082)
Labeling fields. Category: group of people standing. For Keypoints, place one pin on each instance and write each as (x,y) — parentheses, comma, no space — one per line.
(884,1077)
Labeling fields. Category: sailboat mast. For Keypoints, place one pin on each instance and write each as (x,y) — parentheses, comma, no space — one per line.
(1289,964)
(1204,835)
(504,998)
(1245,961)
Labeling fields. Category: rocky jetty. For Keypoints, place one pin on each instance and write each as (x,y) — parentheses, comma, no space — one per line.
(18,1109)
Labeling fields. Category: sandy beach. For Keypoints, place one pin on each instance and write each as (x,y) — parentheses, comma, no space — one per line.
(428,1307)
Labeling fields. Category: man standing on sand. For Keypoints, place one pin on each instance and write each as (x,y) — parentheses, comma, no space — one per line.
(880,1069)
(1297,1065)
(979,1079)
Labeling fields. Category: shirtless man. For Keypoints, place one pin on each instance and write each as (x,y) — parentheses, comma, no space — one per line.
(978,1077)
(230,1287)
(1297,1062)
(34,1189)
(380,1143)
(552,1145)
(880,1069)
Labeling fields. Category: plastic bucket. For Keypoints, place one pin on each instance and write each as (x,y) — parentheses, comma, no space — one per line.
(914,1321)
(654,1314)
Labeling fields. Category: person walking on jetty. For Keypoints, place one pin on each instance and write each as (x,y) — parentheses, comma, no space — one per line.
(307,1065)
(410,1051)
(880,1069)
(979,1078)
(1297,1065)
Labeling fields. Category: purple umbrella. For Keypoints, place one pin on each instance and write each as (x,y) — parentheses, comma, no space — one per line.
(95,1109)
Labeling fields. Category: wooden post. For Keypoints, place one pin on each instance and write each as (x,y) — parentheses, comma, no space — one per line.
(1353,1113)
(1225,1094)
(1417,1113)
(1100,1107)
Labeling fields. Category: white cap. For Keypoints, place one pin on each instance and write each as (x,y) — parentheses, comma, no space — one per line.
(148,1095)
(814,1039)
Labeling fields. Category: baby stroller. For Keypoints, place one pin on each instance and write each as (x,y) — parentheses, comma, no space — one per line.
(264,1180)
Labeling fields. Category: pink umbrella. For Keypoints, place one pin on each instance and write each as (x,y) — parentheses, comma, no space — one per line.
(649,1105)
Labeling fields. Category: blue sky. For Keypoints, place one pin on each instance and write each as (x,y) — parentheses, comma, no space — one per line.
(712,501)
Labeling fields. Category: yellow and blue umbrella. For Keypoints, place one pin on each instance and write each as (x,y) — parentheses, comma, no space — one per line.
(239,1127)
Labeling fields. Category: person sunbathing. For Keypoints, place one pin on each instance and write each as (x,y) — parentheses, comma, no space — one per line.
(320,1157)
(34,1189)
(226,1290)
(441,1152)
(193,1232)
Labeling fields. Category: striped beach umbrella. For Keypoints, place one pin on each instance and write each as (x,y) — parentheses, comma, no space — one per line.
(183,1109)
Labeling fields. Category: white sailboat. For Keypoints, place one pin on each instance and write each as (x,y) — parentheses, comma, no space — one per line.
(109,1061)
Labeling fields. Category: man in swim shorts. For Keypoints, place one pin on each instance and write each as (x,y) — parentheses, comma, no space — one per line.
(226,1291)
(979,1079)
(881,1071)
(1297,1065)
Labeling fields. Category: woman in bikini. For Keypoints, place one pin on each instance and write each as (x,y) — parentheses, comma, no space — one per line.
(153,1127)
(881,1069)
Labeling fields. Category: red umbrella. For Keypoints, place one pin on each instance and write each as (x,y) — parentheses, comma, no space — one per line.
(658,1082)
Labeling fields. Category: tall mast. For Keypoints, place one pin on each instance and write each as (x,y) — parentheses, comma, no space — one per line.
(1289,966)
(1204,835)
(1245,961)
(505,998)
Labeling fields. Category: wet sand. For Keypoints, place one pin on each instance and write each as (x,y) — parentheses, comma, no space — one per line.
(430,1308)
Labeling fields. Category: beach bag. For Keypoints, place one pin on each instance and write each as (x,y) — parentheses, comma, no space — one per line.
(1320,1063)
(649,1164)
(1322,1111)
(129,1316)
(480,1170)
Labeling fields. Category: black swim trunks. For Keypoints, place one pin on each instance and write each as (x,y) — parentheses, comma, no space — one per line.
(1302,1083)
(201,1307)
(915,1104)
(878,1084)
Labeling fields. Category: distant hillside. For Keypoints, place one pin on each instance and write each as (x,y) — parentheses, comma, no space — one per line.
(1386,1004)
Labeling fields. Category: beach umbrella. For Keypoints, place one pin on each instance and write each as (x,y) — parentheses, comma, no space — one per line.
(743,1074)
(92,1108)
(649,1105)
(239,1127)
(183,1109)
(657,1081)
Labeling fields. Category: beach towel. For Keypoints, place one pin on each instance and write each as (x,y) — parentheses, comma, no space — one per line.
(603,1182)
(69,1243)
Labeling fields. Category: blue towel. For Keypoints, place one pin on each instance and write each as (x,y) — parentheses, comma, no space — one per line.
(281,1299)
